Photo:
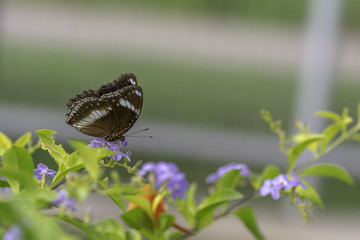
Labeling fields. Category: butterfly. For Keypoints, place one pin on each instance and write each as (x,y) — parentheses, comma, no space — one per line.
(108,112)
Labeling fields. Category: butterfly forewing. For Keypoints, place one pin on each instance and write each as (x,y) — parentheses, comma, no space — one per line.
(126,79)
(108,112)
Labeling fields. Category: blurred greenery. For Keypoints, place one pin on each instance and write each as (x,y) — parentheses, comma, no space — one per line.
(275,11)
(178,92)
(333,192)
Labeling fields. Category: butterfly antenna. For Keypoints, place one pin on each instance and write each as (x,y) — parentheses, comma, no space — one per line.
(142,130)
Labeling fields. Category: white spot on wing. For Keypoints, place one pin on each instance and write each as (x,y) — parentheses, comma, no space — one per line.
(123,102)
(137,92)
(132,81)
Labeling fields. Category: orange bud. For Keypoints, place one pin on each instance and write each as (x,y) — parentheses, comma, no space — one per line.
(150,195)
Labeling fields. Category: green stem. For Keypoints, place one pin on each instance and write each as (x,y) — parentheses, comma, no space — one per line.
(331,146)
(236,205)
(42,181)
(223,214)
(342,138)
(62,181)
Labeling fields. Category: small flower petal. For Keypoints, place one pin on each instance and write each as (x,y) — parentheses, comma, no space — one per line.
(147,167)
(100,143)
(178,185)
(214,177)
(97,143)
(41,170)
(63,200)
(13,233)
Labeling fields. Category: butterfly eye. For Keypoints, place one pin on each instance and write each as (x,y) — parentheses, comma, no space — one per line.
(108,112)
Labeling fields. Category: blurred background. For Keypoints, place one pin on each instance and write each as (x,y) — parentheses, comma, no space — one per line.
(207,68)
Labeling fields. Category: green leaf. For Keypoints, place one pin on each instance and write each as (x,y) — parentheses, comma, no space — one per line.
(229,180)
(297,150)
(37,225)
(310,194)
(90,157)
(165,221)
(56,151)
(173,235)
(5,142)
(222,196)
(187,206)
(19,160)
(142,202)
(110,229)
(63,173)
(329,133)
(116,196)
(87,230)
(190,198)
(329,115)
(205,214)
(4,184)
(247,216)
(128,189)
(133,235)
(23,140)
(104,183)
(156,201)
(329,170)
(19,180)
(138,219)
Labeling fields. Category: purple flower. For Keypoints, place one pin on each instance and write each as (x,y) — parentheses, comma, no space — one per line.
(295,181)
(63,200)
(13,233)
(166,174)
(281,182)
(178,185)
(147,167)
(43,170)
(97,143)
(214,177)
(100,143)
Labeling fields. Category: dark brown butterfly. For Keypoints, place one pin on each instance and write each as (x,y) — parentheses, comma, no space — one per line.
(108,112)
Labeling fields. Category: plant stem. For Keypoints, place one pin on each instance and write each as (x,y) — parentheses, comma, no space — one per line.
(342,138)
(62,181)
(331,146)
(236,205)
(223,214)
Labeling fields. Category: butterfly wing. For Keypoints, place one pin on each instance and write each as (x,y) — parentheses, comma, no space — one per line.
(91,115)
(127,104)
(108,112)
(126,79)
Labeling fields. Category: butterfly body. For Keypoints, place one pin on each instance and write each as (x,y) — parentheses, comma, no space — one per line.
(108,112)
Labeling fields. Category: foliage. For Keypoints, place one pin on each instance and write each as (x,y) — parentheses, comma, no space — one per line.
(154,187)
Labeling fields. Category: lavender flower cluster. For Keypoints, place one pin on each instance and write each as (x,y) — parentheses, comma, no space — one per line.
(281,182)
(118,148)
(166,174)
(214,177)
